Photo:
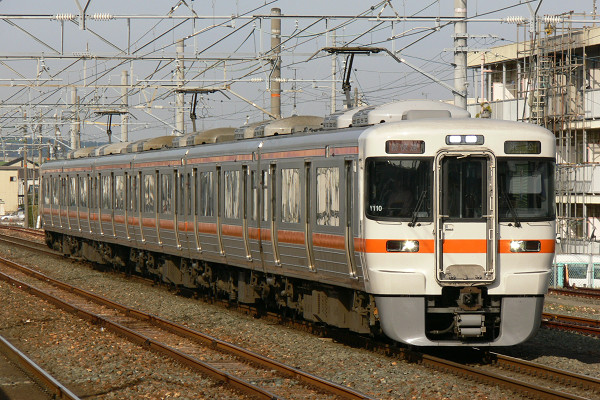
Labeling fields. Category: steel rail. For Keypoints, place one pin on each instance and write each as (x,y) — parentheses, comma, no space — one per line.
(576,292)
(570,323)
(529,389)
(37,373)
(181,330)
(545,372)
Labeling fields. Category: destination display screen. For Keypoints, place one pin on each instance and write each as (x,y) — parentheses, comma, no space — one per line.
(405,147)
(522,147)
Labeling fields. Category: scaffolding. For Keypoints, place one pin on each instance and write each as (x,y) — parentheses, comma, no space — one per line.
(553,85)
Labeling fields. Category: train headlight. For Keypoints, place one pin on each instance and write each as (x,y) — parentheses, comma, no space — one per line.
(402,246)
(520,246)
(464,139)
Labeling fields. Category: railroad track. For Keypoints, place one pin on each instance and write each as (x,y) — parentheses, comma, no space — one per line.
(227,363)
(574,324)
(492,372)
(29,231)
(576,292)
(51,386)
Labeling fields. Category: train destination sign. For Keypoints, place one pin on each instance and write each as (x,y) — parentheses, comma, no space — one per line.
(405,147)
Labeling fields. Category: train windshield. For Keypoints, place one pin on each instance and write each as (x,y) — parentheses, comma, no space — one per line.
(525,190)
(399,188)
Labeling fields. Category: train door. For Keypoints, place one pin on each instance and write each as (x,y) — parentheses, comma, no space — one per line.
(245,211)
(465,224)
(308,216)
(254,216)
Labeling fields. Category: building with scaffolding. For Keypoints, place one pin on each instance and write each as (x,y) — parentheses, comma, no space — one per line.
(551,77)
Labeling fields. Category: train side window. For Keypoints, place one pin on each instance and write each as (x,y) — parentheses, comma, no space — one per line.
(148,193)
(328,196)
(265,197)
(83,191)
(232,194)
(55,190)
(205,207)
(134,193)
(119,192)
(290,195)
(188,193)
(182,194)
(46,188)
(166,193)
(63,191)
(254,199)
(105,190)
(93,192)
(72,200)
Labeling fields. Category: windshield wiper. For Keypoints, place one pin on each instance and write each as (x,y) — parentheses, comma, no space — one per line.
(417,208)
(512,209)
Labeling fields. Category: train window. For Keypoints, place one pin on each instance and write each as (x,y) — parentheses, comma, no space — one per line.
(254,196)
(188,193)
(94,192)
(119,192)
(395,186)
(134,193)
(148,193)
(525,189)
(290,195)
(463,187)
(265,183)
(83,191)
(46,188)
(63,191)
(106,192)
(166,193)
(232,194)
(55,190)
(328,196)
(205,206)
(72,191)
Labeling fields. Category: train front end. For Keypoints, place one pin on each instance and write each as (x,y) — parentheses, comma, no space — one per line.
(458,225)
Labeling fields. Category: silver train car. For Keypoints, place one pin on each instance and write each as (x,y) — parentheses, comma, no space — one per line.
(415,221)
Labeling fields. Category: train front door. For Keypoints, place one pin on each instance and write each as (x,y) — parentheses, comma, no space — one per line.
(466,222)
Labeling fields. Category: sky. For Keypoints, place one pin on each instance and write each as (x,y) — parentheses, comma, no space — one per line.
(45,53)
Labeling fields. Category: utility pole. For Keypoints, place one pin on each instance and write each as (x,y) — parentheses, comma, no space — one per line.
(274,82)
(125,104)
(333,74)
(25,176)
(460,54)
(179,103)
(75,139)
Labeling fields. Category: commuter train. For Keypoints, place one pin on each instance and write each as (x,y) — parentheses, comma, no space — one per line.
(410,219)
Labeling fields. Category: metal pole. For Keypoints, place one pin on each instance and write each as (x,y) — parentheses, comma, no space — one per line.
(179,102)
(333,74)
(25,186)
(75,143)
(460,54)
(125,104)
(274,83)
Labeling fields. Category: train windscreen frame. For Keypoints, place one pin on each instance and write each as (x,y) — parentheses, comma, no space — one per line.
(399,188)
(525,189)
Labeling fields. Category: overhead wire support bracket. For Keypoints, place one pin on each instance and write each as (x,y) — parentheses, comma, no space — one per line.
(110,114)
(374,50)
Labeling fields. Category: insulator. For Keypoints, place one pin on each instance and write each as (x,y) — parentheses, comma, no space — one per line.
(552,19)
(102,16)
(64,17)
(515,20)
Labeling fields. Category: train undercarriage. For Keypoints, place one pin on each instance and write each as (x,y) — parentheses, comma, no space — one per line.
(461,315)
(340,307)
